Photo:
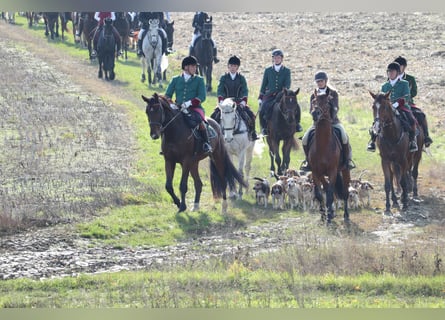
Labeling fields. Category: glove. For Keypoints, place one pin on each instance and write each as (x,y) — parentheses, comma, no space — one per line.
(243,103)
(186,104)
(395,105)
(174,106)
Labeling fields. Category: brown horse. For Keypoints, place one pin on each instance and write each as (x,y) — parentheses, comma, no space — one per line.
(88,25)
(324,157)
(122,26)
(281,127)
(178,146)
(397,162)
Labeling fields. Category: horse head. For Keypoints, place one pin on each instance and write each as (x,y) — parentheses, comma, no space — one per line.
(153,32)
(289,104)
(321,107)
(227,108)
(382,108)
(155,114)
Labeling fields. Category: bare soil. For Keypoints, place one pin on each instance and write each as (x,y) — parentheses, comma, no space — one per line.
(61,135)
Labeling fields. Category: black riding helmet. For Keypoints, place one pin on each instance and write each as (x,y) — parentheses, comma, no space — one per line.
(401,60)
(190,60)
(277,52)
(320,75)
(234,60)
(393,66)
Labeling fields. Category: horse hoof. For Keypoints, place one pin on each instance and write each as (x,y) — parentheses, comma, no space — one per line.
(195,207)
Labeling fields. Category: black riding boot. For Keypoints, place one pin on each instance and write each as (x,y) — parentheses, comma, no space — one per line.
(191,51)
(139,53)
(164,44)
(263,123)
(305,164)
(206,147)
(346,160)
(371,144)
(424,124)
(215,53)
(412,139)
(298,128)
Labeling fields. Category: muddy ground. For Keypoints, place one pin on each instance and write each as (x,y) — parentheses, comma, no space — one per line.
(60,135)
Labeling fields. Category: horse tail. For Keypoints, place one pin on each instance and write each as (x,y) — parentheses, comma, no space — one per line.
(231,176)
(339,187)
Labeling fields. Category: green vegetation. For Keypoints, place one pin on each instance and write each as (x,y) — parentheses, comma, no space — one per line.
(294,277)
(234,288)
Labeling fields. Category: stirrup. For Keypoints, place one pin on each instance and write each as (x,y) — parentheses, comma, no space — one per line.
(413,146)
(264,132)
(351,164)
(305,166)
(371,147)
(207,148)
(428,141)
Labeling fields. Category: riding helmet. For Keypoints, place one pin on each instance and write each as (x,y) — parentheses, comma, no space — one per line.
(234,60)
(190,60)
(320,75)
(393,66)
(277,52)
(401,60)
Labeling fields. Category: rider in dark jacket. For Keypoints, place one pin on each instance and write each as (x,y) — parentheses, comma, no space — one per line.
(198,23)
(144,18)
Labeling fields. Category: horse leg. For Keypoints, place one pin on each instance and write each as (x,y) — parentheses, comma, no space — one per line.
(100,73)
(183,186)
(198,186)
(319,197)
(330,199)
(286,155)
(144,67)
(169,173)
(404,196)
(346,178)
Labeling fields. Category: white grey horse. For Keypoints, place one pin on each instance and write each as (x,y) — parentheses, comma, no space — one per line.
(152,48)
(236,140)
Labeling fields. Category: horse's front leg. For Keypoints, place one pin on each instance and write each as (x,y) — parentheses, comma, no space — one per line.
(198,186)
(404,196)
(319,197)
(241,160)
(330,200)
(183,186)
(144,67)
(159,73)
(286,155)
(169,173)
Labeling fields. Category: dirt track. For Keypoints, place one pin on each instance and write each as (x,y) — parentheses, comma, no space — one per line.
(55,125)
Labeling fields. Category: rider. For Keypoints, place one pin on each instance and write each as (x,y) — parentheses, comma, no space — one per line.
(101,17)
(190,92)
(321,79)
(198,23)
(144,18)
(275,79)
(419,114)
(234,85)
(400,98)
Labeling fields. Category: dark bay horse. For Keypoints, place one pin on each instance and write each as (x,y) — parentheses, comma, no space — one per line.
(324,157)
(178,146)
(393,143)
(203,51)
(281,127)
(122,26)
(106,52)
(52,24)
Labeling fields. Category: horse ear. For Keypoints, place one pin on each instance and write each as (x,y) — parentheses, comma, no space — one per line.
(145,98)
(372,94)
(315,92)
(210,19)
(388,94)
(298,90)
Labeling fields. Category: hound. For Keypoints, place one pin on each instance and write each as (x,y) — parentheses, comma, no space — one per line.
(262,191)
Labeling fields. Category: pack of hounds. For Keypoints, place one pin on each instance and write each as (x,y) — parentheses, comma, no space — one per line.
(295,190)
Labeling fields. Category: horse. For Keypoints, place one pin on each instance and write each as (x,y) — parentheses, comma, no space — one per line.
(178,146)
(281,127)
(152,48)
(397,162)
(236,139)
(203,51)
(123,27)
(89,23)
(32,17)
(106,52)
(52,24)
(324,157)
